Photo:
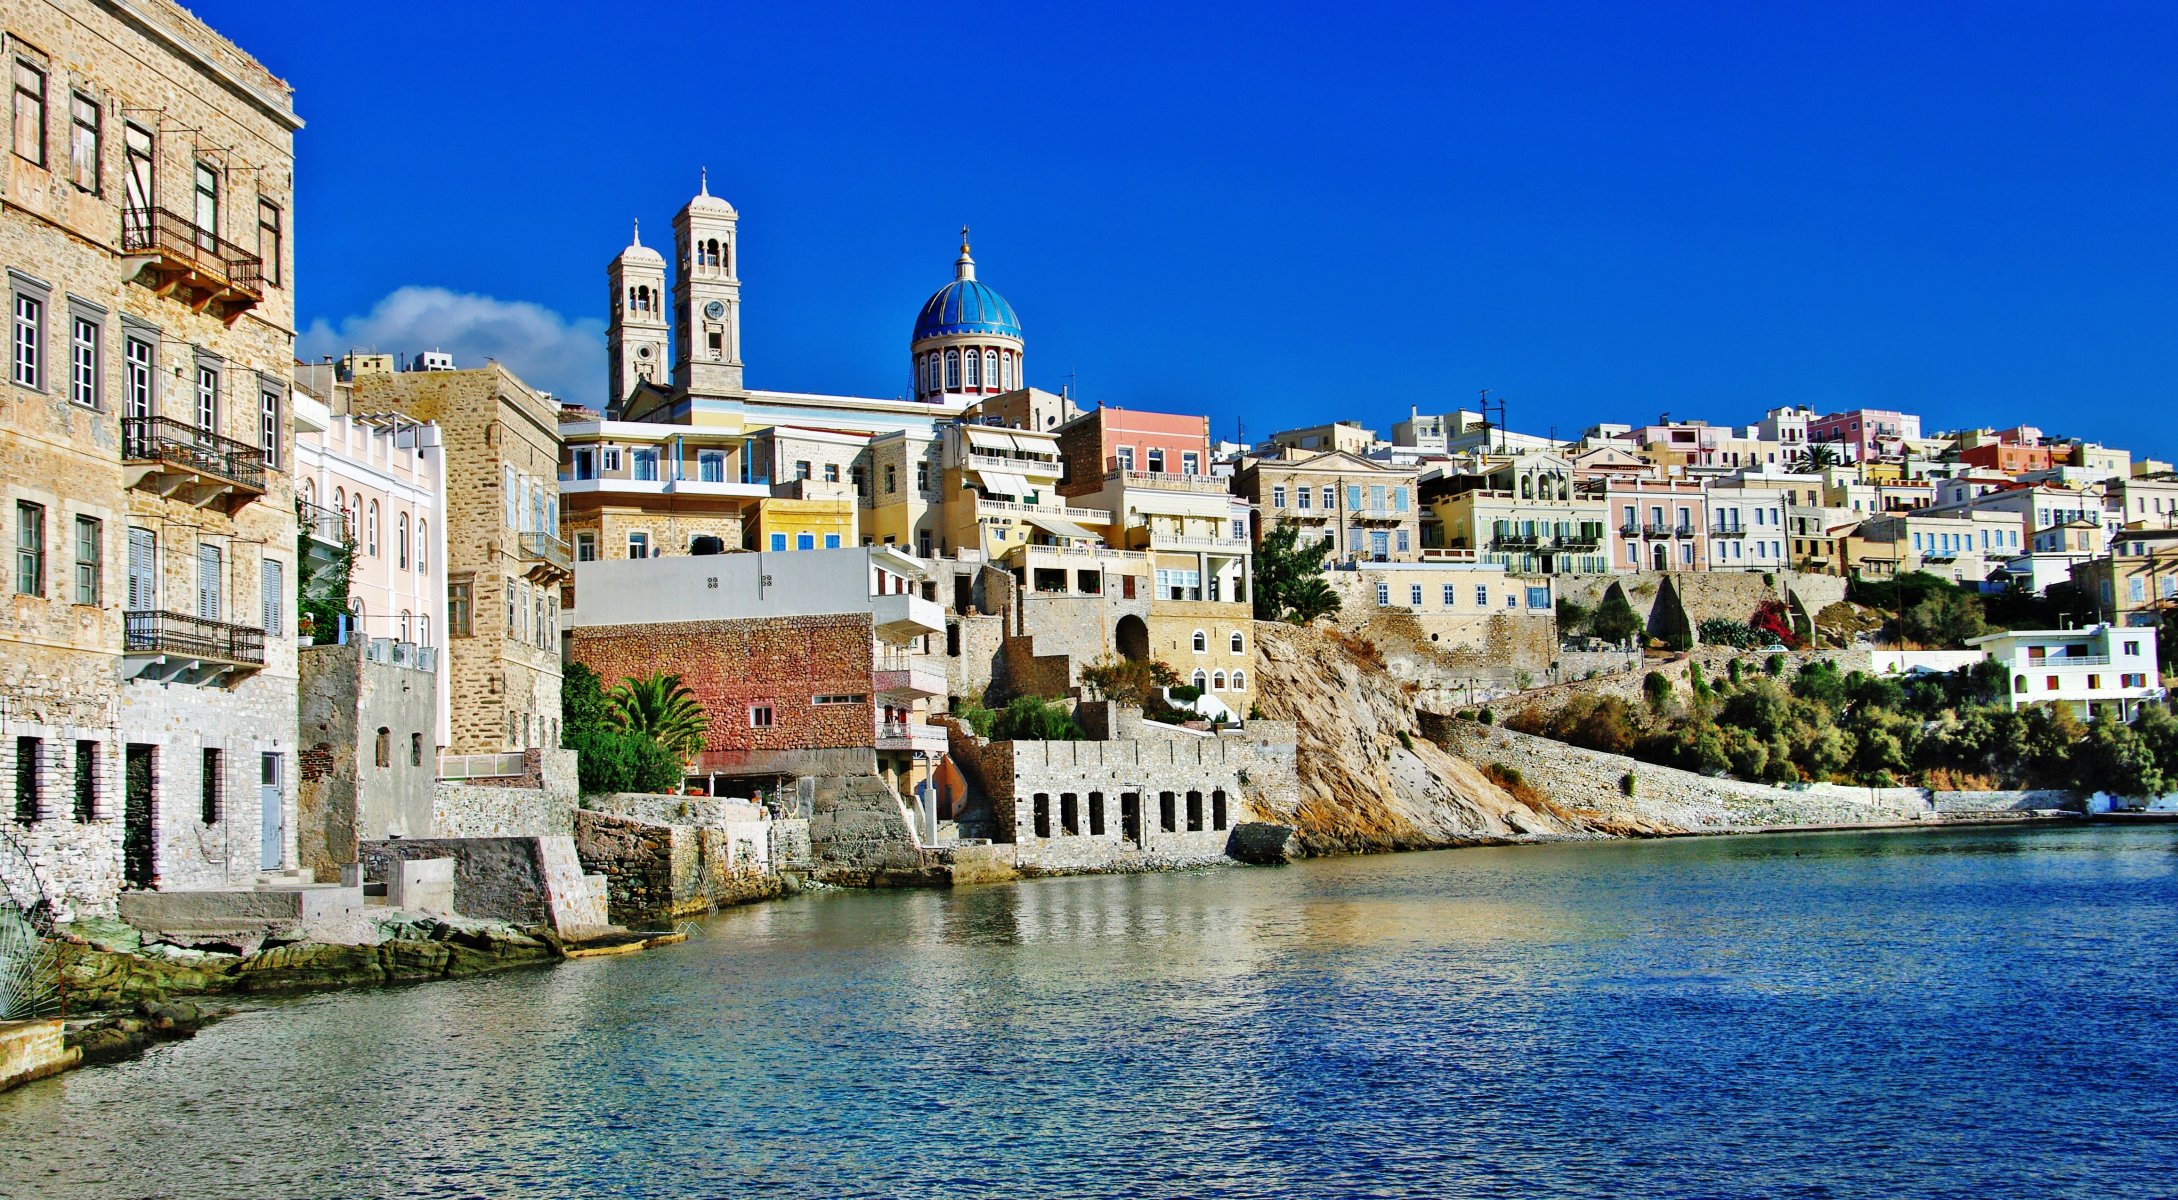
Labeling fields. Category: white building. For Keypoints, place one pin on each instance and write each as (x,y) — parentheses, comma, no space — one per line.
(2101,668)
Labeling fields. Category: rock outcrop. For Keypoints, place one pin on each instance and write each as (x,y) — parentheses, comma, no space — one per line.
(1369,781)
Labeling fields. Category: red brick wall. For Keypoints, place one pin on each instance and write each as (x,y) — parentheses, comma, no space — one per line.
(731,665)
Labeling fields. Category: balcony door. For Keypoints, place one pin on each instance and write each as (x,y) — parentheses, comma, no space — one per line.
(207,207)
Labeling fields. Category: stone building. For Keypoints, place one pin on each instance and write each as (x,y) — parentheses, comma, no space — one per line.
(2136,583)
(147,657)
(505,562)
(633,489)
(369,726)
(808,663)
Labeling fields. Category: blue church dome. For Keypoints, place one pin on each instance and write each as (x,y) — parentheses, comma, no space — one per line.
(966,305)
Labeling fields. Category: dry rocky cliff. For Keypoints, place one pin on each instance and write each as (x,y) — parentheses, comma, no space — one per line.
(1369,780)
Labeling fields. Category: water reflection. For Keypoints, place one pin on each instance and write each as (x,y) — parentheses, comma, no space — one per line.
(1759,1016)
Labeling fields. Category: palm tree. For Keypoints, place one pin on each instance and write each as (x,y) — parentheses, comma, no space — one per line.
(1817,456)
(660,707)
(1311,598)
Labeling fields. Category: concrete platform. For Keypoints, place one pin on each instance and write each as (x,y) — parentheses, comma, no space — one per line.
(241,911)
(32,1050)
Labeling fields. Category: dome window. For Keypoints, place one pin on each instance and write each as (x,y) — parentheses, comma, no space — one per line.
(952,370)
(975,369)
(990,366)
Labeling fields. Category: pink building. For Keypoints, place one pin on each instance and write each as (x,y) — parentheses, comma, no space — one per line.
(378,481)
(1657,525)
(1865,433)
(1104,440)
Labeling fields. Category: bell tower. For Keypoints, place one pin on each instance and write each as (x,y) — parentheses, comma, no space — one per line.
(635,336)
(707,297)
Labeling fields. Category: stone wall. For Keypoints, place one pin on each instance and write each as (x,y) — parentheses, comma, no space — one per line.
(527,881)
(463,810)
(255,718)
(860,834)
(783,663)
(676,810)
(657,871)
(1666,798)
(982,640)
(343,792)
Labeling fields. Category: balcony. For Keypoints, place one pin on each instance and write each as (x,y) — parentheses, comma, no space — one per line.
(195,466)
(910,676)
(1168,482)
(900,616)
(1655,530)
(1048,467)
(176,258)
(178,648)
(324,531)
(1685,531)
(548,557)
(1629,529)
(1515,541)
(1093,516)
(907,735)
(1727,531)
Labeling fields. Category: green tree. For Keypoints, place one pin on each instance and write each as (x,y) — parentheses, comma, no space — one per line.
(1946,618)
(1034,719)
(1817,456)
(608,758)
(321,591)
(1572,616)
(1656,689)
(1289,583)
(660,707)
(1615,620)
(1127,680)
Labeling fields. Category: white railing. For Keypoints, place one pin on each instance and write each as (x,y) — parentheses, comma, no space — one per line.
(1024,466)
(1205,484)
(398,653)
(480,766)
(2091,660)
(1097,515)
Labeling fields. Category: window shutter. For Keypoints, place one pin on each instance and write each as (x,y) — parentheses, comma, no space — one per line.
(143,570)
(208,582)
(275,595)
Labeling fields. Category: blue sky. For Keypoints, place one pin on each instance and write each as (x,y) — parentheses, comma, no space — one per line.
(1284,213)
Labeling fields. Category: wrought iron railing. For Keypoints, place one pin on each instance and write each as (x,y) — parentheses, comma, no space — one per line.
(324,524)
(177,237)
(164,439)
(543,547)
(150,631)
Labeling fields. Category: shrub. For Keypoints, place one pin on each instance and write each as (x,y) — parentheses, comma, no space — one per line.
(1126,680)
(1626,784)
(1406,741)
(1615,619)
(1184,693)
(1034,719)
(1572,616)
(1774,665)
(1724,631)
(1656,690)
(1772,623)
(1487,717)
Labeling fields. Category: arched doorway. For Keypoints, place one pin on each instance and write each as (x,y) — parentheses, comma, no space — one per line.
(1132,638)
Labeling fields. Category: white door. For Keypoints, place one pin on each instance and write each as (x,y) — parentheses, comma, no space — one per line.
(272,825)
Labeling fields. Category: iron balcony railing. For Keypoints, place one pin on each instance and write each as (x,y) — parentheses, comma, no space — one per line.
(150,631)
(1629,529)
(544,547)
(176,237)
(1727,531)
(1656,530)
(166,440)
(324,524)
(1684,531)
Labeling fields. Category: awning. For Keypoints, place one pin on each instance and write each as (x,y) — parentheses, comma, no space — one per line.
(984,438)
(1006,483)
(1060,527)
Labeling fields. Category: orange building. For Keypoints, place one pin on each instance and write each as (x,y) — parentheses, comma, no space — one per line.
(1102,441)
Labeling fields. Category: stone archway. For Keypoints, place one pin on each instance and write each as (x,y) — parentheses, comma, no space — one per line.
(1132,638)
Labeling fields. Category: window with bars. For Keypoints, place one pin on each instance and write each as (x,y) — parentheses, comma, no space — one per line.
(29,779)
(212,787)
(86,781)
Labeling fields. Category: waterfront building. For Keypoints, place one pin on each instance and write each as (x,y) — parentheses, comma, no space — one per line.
(505,562)
(1000,491)
(1526,512)
(2036,507)
(2100,669)
(1355,507)
(373,487)
(1344,437)
(147,651)
(810,663)
(2143,501)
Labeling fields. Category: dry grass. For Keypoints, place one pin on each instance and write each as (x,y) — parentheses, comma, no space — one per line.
(1944,779)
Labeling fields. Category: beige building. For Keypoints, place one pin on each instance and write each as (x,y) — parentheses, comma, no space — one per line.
(1964,548)
(1523,512)
(1347,437)
(2136,584)
(1359,509)
(632,489)
(147,642)
(505,560)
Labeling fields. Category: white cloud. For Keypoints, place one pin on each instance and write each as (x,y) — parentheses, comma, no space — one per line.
(566,358)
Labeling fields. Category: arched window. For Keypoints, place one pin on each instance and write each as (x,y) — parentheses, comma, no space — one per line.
(400,542)
(975,369)
(309,492)
(1240,681)
(990,366)
(340,501)
(1217,681)
(385,747)
(1527,487)
(370,530)
(423,547)
(404,624)
(1202,642)
(1011,370)
(952,369)
(1201,679)
(1239,643)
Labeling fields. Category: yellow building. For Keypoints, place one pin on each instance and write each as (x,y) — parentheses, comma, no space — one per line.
(808,521)
(1000,489)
